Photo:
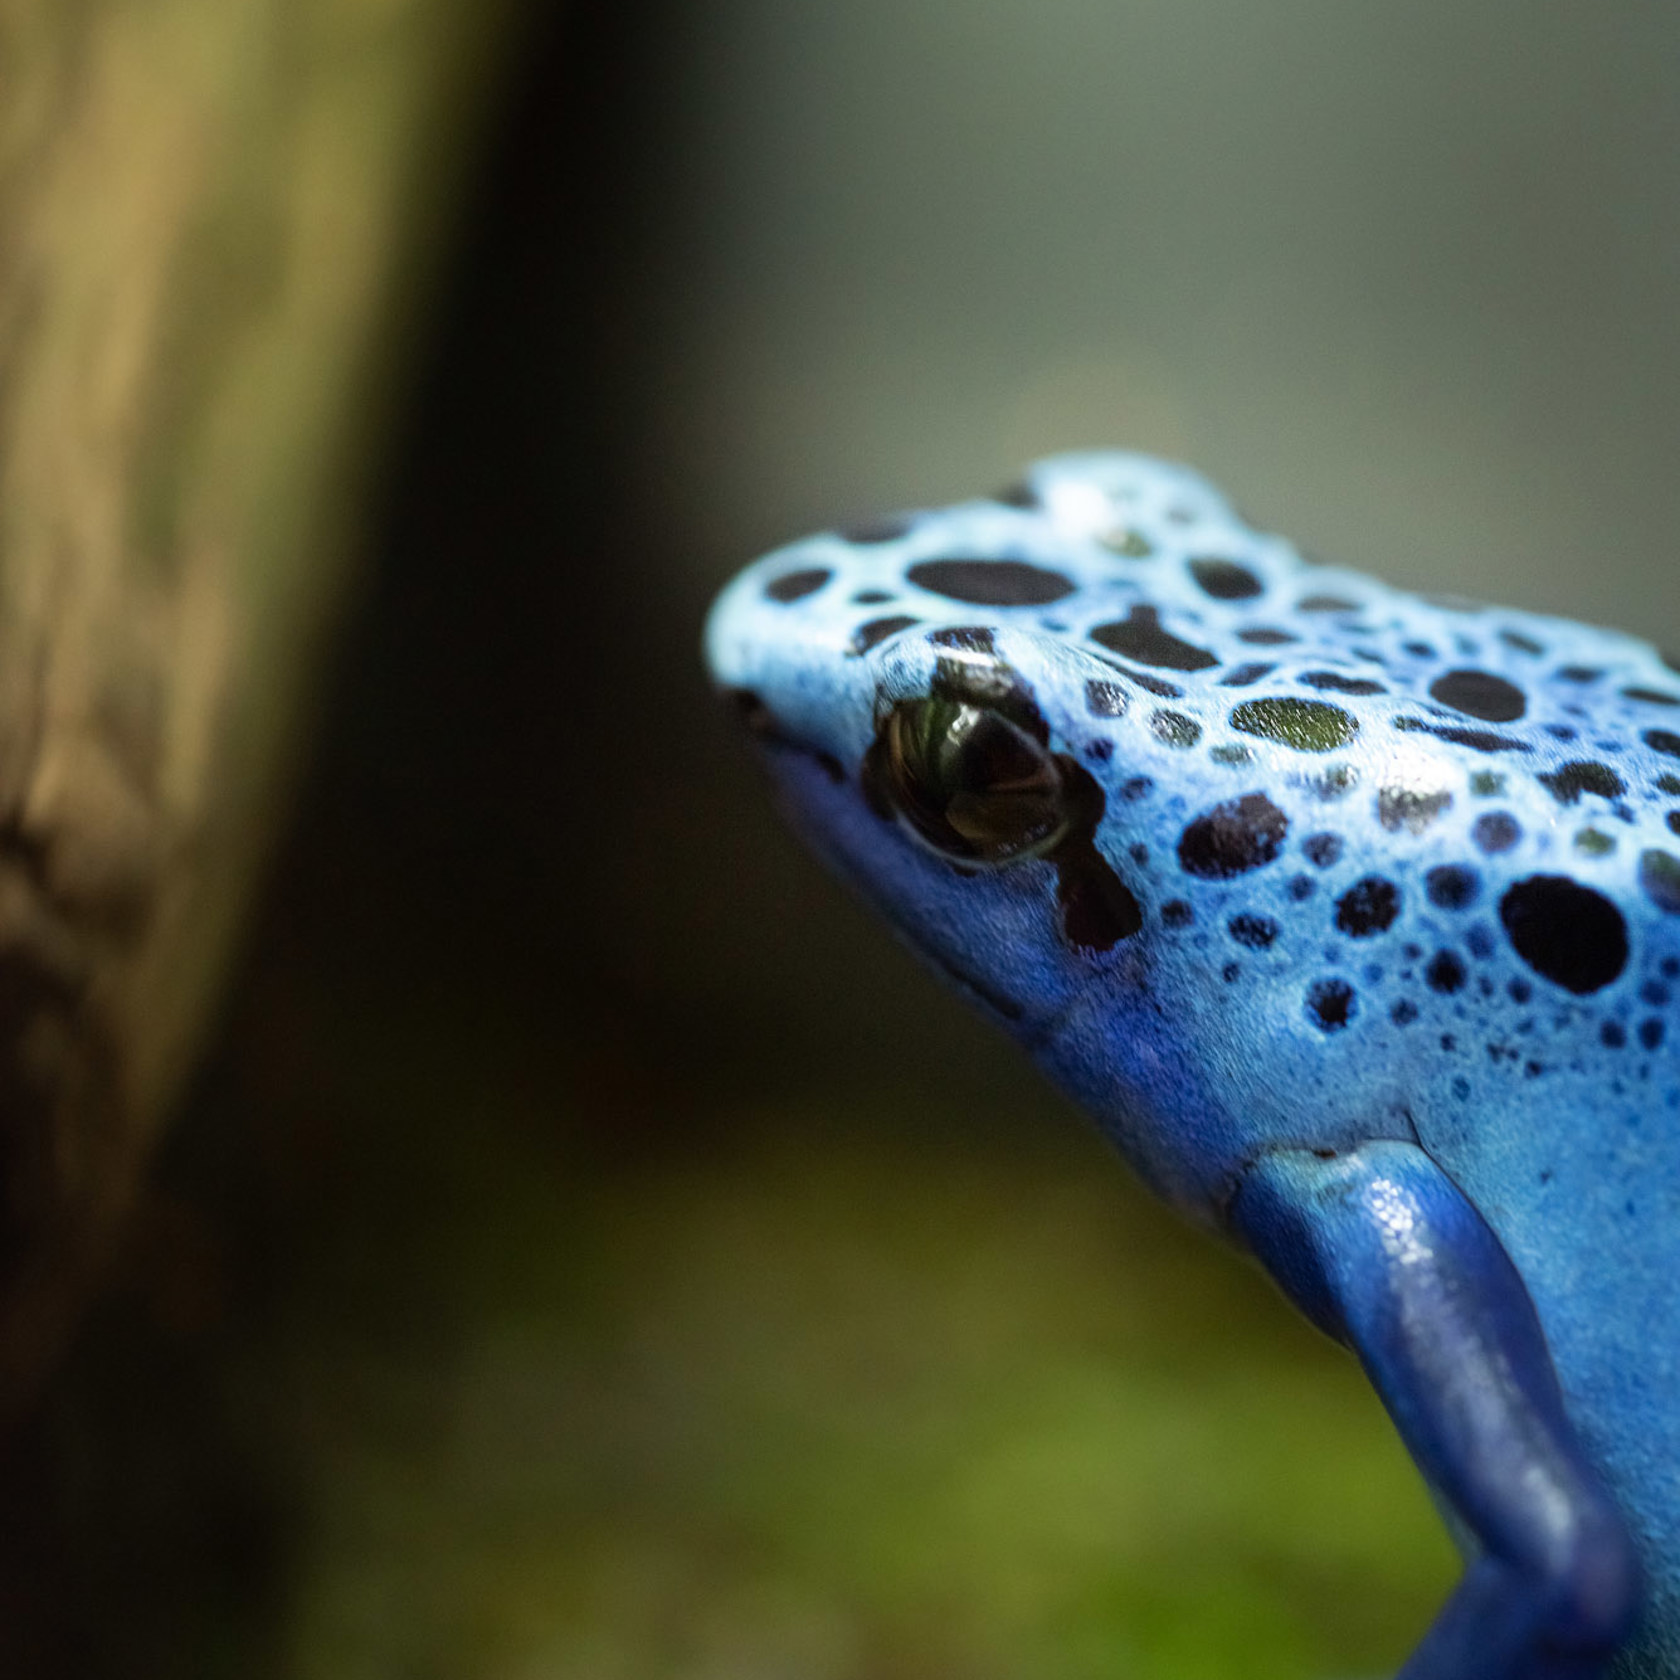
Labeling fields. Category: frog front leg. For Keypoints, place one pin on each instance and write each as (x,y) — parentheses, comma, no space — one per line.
(1382,1251)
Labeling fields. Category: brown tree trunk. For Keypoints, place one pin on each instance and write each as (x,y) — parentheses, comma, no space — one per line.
(211,213)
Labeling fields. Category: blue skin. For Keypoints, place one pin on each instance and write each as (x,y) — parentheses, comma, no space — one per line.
(1354,920)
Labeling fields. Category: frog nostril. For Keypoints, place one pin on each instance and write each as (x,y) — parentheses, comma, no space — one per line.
(761,724)
(750,709)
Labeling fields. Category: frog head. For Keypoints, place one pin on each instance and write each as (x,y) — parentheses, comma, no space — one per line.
(980,720)
(1247,851)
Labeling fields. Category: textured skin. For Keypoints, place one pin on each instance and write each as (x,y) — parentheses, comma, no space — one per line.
(1366,867)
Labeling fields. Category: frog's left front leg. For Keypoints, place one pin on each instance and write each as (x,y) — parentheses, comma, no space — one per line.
(1382,1251)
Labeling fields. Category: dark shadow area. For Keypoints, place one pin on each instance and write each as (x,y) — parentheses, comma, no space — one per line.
(464,786)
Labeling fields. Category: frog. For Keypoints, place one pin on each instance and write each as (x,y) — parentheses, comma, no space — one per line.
(1350,915)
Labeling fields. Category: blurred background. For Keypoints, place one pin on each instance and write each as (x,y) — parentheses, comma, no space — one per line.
(591,1248)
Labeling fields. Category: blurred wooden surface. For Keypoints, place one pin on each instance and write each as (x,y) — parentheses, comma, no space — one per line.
(213,214)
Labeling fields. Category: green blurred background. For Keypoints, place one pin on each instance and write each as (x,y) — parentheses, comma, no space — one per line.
(593,1249)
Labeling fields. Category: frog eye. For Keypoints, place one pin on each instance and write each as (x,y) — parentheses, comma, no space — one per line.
(970,783)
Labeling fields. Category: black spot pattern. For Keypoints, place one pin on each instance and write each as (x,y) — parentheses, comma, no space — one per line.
(991,583)
(1326,604)
(1368,907)
(1477,740)
(1594,842)
(1139,636)
(1175,913)
(1255,932)
(1495,832)
(1659,879)
(1481,740)
(1651,697)
(1305,725)
(1152,685)
(1569,933)
(1409,808)
(1335,783)
(1225,580)
(1331,1004)
(1335,682)
(1262,636)
(1242,676)
(1233,838)
(1450,886)
(1446,973)
(1479,694)
(877,630)
(1098,908)
(1129,544)
(1322,849)
(1174,729)
(1663,741)
(1105,699)
(795,586)
(1568,782)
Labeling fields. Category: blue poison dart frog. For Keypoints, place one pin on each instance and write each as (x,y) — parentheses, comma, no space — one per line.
(1352,916)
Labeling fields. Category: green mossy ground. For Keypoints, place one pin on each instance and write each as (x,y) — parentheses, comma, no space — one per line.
(808,1388)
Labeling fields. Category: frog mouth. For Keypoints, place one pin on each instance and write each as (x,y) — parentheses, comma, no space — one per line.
(982,991)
